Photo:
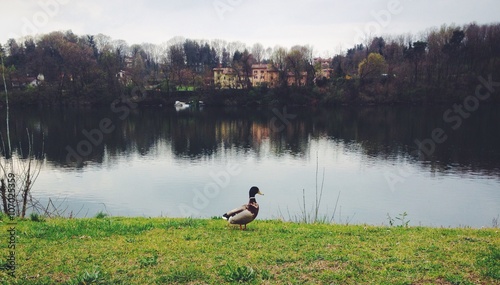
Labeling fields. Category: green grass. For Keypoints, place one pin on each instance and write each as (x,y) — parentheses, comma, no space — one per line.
(185,88)
(112,250)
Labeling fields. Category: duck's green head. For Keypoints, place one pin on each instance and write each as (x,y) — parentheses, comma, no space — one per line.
(254,191)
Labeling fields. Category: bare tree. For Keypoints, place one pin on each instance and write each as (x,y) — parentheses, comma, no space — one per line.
(258,52)
(103,42)
(219,46)
(232,47)
(20,173)
(176,41)
(268,53)
(121,47)
(280,63)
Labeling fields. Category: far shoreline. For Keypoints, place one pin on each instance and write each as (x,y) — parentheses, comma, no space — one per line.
(292,97)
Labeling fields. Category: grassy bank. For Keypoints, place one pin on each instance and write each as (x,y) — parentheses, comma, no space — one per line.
(195,251)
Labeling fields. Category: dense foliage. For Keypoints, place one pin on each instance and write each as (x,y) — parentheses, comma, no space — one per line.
(443,64)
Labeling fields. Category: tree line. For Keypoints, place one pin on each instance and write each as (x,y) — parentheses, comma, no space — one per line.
(441,64)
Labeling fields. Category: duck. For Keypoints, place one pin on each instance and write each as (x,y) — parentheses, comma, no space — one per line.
(247,213)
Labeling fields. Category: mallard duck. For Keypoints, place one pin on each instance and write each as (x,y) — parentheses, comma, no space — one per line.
(246,213)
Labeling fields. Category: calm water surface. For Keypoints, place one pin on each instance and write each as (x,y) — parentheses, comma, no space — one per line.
(201,163)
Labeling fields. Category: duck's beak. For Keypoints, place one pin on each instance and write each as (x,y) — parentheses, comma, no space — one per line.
(260,193)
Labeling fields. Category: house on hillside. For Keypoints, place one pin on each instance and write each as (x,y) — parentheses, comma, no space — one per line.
(323,62)
(227,78)
(292,81)
(322,67)
(264,74)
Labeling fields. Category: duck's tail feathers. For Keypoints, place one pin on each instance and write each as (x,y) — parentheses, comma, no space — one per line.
(225,217)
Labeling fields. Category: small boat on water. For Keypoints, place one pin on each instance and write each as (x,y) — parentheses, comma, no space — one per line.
(179,104)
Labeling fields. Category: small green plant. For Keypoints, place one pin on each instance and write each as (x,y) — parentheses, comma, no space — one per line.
(401,217)
(35,217)
(147,261)
(238,274)
(93,277)
(390,219)
(100,215)
(4,265)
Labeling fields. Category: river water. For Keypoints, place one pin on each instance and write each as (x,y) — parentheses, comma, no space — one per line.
(360,165)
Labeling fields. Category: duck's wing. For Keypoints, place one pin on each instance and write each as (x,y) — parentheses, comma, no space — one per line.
(242,218)
(234,212)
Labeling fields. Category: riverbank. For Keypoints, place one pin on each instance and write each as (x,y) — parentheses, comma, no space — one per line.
(197,251)
(346,93)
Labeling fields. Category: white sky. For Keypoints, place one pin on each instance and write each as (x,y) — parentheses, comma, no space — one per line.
(325,25)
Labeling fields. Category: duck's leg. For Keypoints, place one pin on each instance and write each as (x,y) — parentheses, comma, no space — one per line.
(240,228)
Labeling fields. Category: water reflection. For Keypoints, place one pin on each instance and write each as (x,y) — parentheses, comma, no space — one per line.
(381,132)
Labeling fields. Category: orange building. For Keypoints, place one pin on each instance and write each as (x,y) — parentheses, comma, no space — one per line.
(264,74)
(293,82)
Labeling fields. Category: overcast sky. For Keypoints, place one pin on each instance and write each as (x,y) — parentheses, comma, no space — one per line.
(325,25)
